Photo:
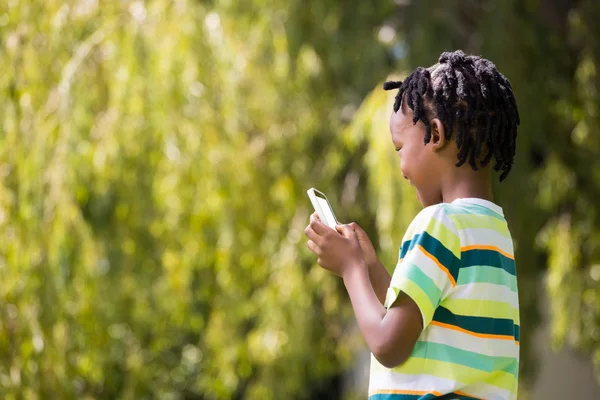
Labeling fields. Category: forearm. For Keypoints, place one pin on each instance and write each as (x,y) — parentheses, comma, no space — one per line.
(390,334)
(368,308)
(380,280)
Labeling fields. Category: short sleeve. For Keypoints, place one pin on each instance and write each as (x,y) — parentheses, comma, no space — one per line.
(429,261)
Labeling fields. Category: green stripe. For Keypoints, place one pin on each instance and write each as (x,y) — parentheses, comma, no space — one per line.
(419,297)
(391,296)
(429,396)
(428,222)
(436,249)
(427,285)
(485,325)
(482,308)
(485,274)
(449,239)
(490,258)
(470,209)
(442,352)
(457,372)
(473,221)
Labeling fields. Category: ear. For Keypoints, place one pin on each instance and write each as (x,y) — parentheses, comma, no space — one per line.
(438,135)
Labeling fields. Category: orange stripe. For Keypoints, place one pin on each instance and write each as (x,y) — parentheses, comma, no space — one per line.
(395,391)
(482,247)
(435,260)
(481,335)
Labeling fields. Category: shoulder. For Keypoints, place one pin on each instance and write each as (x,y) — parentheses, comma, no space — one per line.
(434,217)
(440,208)
(435,222)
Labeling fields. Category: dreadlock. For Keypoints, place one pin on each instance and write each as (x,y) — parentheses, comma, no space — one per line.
(469,96)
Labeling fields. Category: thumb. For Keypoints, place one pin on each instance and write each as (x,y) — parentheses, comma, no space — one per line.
(346,231)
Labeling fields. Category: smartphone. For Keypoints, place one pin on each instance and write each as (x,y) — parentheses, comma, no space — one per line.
(322,207)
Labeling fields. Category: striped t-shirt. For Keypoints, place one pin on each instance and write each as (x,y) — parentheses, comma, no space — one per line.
(457,264)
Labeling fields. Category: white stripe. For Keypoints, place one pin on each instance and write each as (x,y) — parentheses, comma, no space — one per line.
(485,391)
(486,237)
(475,344)
(423,220)
(386,379)
(486,291)
(383,378)
(443,218)
(416,226)
(425,264)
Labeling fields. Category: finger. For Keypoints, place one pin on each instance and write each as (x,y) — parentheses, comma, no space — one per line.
(356,228)
(319,227)
(312,235)
(360,232)
(313,247)
(346,231)
(315,217)
(341,228)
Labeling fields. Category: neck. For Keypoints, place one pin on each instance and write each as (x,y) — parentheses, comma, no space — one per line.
(467,184)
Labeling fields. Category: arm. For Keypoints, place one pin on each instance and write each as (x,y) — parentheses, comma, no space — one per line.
(380,279)
(390,335)
(425,276)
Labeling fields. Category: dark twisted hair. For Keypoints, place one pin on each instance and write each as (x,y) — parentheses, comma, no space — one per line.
(469,95)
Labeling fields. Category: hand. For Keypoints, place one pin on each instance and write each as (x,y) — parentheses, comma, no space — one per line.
(337,252)
(366,245)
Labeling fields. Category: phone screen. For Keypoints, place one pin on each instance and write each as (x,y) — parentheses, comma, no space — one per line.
(326,208)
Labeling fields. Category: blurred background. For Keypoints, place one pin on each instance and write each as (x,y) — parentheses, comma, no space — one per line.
(154,162)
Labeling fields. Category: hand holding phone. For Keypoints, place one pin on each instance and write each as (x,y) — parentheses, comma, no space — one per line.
(322,207)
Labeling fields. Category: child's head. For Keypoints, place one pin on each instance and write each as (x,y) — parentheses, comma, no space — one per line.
(461,113)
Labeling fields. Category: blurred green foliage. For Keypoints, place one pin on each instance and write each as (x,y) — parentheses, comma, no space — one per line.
(154,159)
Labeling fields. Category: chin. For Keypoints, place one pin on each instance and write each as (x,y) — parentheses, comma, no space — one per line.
(426,202)
(420,200)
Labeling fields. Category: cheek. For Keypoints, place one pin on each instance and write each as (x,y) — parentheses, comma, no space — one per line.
(405,164)
(414,165)
(409,160)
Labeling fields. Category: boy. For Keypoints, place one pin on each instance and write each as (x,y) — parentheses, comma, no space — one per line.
(446,324)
